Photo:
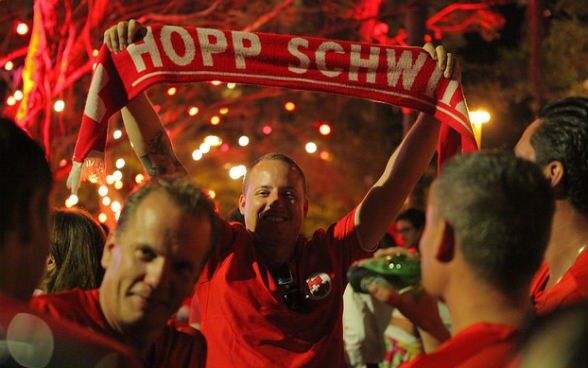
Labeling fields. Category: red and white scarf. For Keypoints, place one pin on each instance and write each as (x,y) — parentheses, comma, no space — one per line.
(402,76)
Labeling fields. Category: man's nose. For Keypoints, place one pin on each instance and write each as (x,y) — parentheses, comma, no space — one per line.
(157,274)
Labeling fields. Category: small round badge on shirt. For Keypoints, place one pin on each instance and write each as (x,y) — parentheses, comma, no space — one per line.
(318,285)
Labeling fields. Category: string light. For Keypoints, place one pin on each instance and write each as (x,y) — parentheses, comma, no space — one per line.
(243,140)
(117,175)
(267,130)
(310,147)
(223,110)
(115,206)
(103,190)
(193,110)
(204,147)
(325,155)
(71,201)
(289,106)
(22,28)
(216,83)
(117,134)
(59,105)
(139,178)
(62,162)
(110,179)
(120,163)
(224,147)
(11,101)
(9,65)
(215,120)
(106,201)
(238,171)
(18,95)
(325,129)
(213,140)
(231,85)
(102,218)
(118,185)
(95,52)
(211,194)
(172,91)
(197,155)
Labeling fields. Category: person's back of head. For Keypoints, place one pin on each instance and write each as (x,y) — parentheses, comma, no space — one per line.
(77,242)
(563,136)
(500,210)
(25,184)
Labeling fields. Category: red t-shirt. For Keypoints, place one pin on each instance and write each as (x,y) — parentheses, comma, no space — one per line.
(32,339)
(481,345)
(244,317)
(572,288)
(178,345)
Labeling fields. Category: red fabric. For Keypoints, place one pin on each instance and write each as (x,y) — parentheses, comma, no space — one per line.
(244,318)
(572,288)
(403,76)
(73,346)
(482,345)
(178,345)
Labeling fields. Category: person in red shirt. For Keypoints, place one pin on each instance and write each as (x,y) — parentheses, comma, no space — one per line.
(29,338)
(270,297)
(487,226)
(152,260)
(558,142)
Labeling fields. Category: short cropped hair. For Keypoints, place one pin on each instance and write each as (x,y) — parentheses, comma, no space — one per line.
(563,136)
(279,157)
(414,216)
(500,208)
(23,172)
(183,193)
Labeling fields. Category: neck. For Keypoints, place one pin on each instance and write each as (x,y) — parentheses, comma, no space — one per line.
(483,303)
(274,255)
(569,234)
(139,339)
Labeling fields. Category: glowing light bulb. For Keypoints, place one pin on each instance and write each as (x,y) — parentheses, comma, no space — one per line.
(9,65)
(238,171)
(22,28)
(290,106)
(325,129)
(213,140)
(118,185)
(215,120)
(106,201)
(102,218)
(267,130)
(139,178)
(120,163)
(243,140)
(216,83)
(310,147)
(172,91)
(325,155)
(193,110)
(117,134)
(11,101)
(204,147)
(197,155)
(211,194)
(59,105)
(231,85)
(103,190)
(115,206)
(223,110)
(18,95)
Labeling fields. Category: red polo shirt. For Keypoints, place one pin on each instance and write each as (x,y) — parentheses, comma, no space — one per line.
(481,345)
(244,316)
(177,346)
(572,288)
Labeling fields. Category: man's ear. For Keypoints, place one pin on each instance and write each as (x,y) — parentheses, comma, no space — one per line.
(446,250)
(107,254)
(555,173)
(242,204)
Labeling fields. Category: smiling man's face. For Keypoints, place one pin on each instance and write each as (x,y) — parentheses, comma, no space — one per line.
(152,264)
(274,203)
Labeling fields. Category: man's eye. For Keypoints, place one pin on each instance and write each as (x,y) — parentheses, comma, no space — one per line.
(145,253)
(263,193)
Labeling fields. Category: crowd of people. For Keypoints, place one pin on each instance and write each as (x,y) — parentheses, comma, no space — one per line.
(501,247)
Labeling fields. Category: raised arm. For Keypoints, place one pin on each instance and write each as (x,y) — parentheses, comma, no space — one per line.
(381,204)
(146,132)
